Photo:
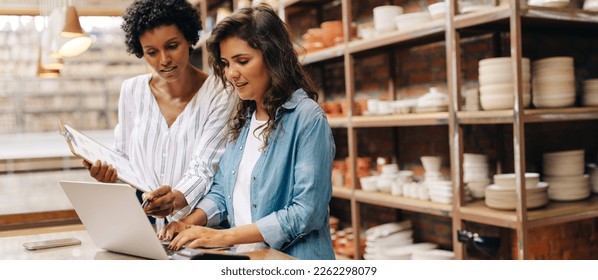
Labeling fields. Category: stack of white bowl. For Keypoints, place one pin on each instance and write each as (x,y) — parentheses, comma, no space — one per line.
(503,194)
(553,82)
(384,18)
(496,83)
(403,177)
(590,92)
(593,171)
(472,99)
(475,174)
(440,191)
(564,171)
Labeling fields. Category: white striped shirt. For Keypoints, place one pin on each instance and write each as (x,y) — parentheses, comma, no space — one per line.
(184,155)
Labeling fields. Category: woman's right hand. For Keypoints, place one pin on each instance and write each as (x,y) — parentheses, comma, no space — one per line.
(172,229)
(101,171)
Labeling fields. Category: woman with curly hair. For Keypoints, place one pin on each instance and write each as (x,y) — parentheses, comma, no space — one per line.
(171,121)
(274,179)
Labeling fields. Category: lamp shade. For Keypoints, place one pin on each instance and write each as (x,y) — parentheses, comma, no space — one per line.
(74,40)
(43,72)
(72,26)
(48,53)
(75,46)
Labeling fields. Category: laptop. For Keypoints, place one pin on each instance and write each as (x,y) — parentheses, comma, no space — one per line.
(114,218)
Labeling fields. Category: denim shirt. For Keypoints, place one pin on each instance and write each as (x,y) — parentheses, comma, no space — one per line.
(290,185)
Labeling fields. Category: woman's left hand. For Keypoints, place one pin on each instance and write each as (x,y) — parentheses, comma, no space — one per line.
(198,236)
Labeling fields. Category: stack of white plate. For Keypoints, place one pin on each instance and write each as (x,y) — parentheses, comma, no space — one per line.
(553,82)
(383,241)
(475,174)
(564,172)
(505,198)
(436,254)
(590,92)
(496,83)
(440,191)
(388,175)
(503,195)
(593,171)
(403,252)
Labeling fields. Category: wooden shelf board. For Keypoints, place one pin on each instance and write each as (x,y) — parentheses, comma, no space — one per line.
(561,114)
(342,192)
(559,14)
(486,117)
(289,3)
(400,202)
(553,213)
(414,119)
(337,122)
(433,30)
(494,14)
(530,115)
(322,55)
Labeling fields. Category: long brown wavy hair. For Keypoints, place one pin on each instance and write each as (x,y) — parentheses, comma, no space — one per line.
(263,30)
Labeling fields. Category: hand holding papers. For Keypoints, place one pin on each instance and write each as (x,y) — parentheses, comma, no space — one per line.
(90,150)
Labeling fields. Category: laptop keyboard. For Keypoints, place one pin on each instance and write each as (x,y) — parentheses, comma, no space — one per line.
(169,252)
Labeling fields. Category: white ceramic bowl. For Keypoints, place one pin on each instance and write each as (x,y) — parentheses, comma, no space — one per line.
(507,180)
(369,184)
(384,17)
(412,20)
(431,163)
(437,10)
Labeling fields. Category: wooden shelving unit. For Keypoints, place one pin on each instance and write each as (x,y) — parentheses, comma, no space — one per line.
(514,18)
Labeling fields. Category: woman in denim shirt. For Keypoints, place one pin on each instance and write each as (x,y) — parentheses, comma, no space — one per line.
(274,180)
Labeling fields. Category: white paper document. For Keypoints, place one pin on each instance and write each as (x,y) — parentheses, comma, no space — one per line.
(90,150)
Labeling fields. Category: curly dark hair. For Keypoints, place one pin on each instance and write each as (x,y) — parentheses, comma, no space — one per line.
(263,30)
(143,15)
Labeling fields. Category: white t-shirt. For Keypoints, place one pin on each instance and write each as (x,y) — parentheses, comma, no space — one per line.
(241,190)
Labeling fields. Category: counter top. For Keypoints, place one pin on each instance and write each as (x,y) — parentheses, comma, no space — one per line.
(11,246)
(37,191)
(44,144)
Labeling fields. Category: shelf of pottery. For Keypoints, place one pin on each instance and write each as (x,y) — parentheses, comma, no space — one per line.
(86,94)
(550,90)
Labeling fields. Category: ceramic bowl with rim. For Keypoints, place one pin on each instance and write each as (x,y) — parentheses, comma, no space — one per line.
(431,163)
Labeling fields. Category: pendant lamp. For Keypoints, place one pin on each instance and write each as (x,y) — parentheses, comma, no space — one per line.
(49,56)
(75,40)
(43,72)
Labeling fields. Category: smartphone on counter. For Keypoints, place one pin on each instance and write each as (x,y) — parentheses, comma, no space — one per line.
(53,243)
